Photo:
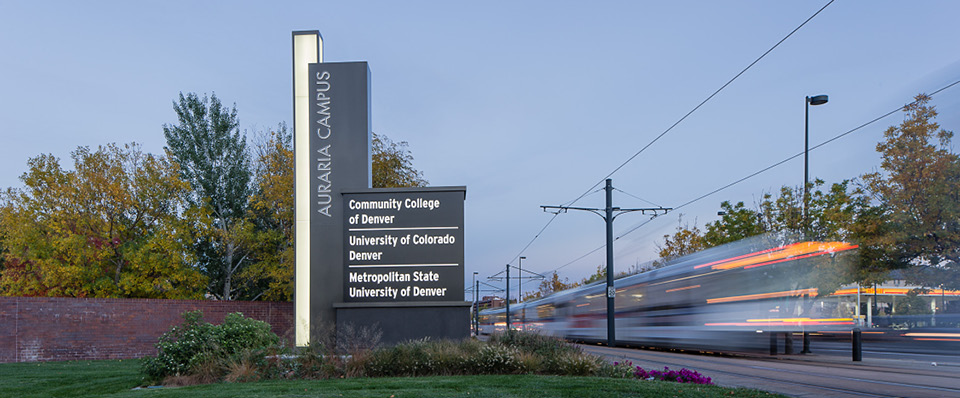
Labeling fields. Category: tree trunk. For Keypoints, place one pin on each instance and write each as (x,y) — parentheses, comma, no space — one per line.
(228,268)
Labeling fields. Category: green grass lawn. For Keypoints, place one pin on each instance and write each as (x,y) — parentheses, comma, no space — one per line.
(117,378)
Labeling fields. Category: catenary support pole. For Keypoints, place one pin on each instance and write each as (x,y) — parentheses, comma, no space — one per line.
(611,291)
(609,213)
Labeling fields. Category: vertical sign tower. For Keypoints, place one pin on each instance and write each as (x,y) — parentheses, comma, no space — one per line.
(332,154)
(360,262)
(307,49)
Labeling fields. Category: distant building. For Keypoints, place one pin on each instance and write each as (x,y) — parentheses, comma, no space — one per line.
(896,304)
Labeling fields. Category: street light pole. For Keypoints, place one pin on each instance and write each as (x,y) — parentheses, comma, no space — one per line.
(508,297)
(523,314)
(815,100)
(476,304)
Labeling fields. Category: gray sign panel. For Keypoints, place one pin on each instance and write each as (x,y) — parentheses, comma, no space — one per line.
(340,160)
(403,245)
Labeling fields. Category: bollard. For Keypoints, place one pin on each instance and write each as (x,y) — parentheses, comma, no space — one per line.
(773,343)
(857,346)
(788,343)
(806,343)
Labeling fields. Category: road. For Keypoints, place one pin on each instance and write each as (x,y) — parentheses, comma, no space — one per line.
(828,372)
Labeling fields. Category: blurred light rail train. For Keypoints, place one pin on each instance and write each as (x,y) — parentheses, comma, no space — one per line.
(729,298)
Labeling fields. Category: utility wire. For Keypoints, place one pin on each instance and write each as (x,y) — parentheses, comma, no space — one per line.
(635,196)
(848,132)
(630,159)
(704,196)
(602,180)
(550,221)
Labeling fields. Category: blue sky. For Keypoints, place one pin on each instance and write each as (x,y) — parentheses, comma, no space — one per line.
(525,103)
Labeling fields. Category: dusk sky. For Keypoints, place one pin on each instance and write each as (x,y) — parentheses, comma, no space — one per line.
(525,103)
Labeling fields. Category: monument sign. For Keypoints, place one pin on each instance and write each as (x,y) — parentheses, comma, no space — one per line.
(385,258)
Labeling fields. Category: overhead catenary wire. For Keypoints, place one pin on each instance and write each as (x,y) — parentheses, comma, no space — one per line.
(635,196)
(665,132)
(702,103)
(544,228)
(761,171)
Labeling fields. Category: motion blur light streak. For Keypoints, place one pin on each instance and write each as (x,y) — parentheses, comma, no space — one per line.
(737,257)
(801,292)
(895,292)
(787,322)
(953,335)
(682,288)
(927,339)
(780,254)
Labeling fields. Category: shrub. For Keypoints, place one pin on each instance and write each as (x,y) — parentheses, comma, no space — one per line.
(243,349)
(207,351)
(181,349)
(577,364)
(496,359)
(535,343)
(238,333)
(618,370)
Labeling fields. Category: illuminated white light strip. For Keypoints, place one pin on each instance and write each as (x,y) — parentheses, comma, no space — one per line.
(403,265)
(307,49)
(399,229)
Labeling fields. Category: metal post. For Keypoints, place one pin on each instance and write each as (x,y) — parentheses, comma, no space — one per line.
(476,304)
(857,346)
(611,291)
(508,297)
(857,311)
(523,313)
(788,343)
(806,166)
(773,343)
(806,343)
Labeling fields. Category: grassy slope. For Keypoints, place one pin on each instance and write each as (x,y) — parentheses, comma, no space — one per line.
(116,378)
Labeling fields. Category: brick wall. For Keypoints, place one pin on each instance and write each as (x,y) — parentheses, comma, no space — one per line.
(61,329)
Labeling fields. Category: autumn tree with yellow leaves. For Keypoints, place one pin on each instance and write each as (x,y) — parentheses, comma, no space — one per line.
(114,226)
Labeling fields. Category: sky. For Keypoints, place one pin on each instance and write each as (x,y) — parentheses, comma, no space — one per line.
(526,103)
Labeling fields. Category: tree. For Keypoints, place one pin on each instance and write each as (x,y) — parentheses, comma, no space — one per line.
(393,164)
(599,275)
(912,304)
(271,218)
(686,240)
(549,286)
(738,222)
(115,226)
(919,190)
(213,159)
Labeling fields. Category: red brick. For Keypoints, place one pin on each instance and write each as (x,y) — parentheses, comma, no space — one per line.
(58,329)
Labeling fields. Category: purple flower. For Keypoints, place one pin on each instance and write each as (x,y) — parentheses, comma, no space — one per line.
(683,376)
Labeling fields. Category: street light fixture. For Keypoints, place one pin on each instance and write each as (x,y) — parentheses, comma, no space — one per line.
(815,100)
